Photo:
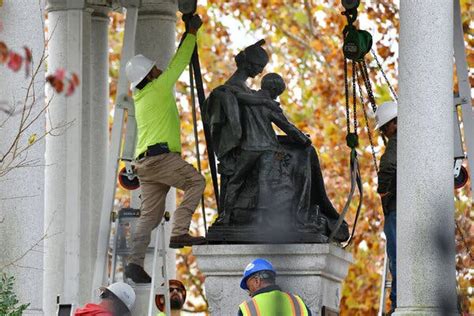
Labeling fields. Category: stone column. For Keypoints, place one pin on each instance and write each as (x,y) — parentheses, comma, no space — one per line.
(98,118)
(75,154)
(312,271)
(156,39)
(425,227)
(22,189)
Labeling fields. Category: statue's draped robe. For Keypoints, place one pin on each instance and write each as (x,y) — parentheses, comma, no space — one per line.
(292,190)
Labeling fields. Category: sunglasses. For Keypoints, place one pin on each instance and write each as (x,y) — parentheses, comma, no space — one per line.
(176,289)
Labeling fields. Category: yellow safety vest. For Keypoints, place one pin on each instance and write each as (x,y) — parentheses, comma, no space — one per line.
(274,303)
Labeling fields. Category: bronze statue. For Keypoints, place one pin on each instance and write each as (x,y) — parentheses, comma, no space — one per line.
(272,188)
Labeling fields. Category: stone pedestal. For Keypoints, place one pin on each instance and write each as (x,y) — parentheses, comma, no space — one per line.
(313,271)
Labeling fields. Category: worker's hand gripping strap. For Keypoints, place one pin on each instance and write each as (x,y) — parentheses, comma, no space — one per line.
(355,181)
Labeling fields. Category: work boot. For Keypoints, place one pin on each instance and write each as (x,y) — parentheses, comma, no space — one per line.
(137,273)
(186,240)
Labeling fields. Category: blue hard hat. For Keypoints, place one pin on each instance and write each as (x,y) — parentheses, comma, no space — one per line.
(254,267)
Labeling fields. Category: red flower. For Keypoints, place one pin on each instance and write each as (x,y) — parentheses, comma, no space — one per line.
(70,88)
(60,80)
(60,73)
(15,61)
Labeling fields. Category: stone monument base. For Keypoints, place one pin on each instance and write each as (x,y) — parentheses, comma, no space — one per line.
(223,234)
(313,271)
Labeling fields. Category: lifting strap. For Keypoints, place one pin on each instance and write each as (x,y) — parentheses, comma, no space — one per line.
(352,141)
(195,79)
(196,67)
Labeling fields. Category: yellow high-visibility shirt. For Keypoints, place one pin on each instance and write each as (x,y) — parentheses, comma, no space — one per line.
(156,112)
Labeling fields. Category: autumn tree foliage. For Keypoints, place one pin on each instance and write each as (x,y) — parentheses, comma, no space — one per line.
(304,41)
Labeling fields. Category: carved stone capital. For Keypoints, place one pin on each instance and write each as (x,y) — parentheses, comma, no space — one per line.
(159,7)
(100,6)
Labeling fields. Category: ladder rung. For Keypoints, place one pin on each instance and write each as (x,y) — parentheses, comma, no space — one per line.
(129,212)
(127,251)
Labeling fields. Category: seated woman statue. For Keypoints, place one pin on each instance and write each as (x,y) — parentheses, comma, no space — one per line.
(266,181)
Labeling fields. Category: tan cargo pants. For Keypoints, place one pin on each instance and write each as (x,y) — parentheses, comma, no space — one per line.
(157,174)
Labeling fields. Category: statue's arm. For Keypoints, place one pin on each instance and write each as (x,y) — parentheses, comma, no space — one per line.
(252,99)
(282,122)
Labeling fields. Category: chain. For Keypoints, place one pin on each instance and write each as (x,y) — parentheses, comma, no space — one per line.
(354,96)
(368,85)
(369,133)
(346,87)
(383,74)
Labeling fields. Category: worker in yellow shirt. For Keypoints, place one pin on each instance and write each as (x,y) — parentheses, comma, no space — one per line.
(158,163)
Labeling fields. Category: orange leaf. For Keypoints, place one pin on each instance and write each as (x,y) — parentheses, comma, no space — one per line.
(57,84)
(3,52)
(28,58)
(75,79)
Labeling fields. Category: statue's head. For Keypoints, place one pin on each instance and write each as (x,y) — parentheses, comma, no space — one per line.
(252,59)
(274,84)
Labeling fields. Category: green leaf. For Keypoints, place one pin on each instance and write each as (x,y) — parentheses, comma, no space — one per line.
(8,300)
(301,18)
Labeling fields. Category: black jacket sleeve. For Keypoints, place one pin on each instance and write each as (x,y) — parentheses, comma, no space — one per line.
(387,177)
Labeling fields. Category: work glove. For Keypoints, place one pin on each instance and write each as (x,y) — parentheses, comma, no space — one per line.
(195,22)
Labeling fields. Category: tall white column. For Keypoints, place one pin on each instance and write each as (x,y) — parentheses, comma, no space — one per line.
(425,220)
(75,158)
(22,190)
(98,114)
(156,39)
(159,17)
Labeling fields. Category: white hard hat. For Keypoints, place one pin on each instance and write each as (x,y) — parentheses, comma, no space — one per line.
(386,112)
(124,292)
(137,68)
